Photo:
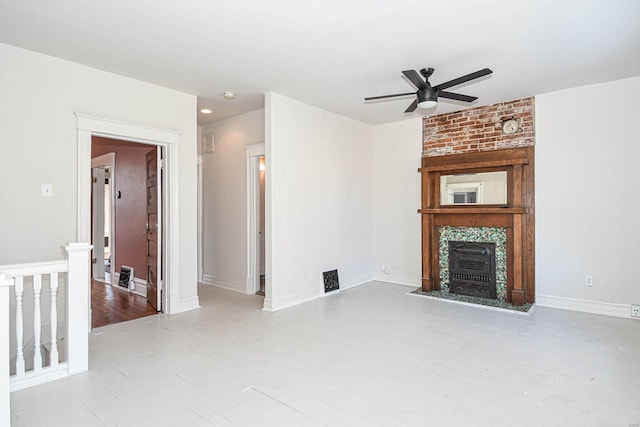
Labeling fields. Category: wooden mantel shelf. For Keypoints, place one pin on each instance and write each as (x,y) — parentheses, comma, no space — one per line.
(474,210)
(473,165)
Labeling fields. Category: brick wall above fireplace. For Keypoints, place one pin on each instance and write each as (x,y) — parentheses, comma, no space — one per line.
(479,129)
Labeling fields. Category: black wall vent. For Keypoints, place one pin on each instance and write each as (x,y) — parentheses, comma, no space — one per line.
(331,281)
(126,276)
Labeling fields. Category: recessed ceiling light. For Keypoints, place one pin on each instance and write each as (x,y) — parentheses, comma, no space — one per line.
(206,111)
(229,95)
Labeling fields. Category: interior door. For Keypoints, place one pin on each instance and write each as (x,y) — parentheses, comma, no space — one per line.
(154,232)
(97,235)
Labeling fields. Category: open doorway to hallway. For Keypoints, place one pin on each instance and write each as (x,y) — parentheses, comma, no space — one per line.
(261,221)
(256,213)
(126,230)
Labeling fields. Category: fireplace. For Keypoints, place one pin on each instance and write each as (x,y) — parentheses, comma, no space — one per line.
(472,269)
(516,263)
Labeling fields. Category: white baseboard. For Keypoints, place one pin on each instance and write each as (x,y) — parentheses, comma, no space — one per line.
(357,281)
(267,305)
(397,279)
(587,306)
(187,304)
(223,284)
(293,300)
(290,301)
(139,287)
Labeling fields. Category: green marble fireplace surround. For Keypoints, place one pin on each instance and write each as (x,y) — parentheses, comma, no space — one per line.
(497,235)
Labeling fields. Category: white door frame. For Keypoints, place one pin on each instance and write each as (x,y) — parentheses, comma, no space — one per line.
(89,126)
(253,153)
(109,159)
(200,221)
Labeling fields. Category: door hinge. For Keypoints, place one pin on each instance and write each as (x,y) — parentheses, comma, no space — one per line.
(94,260)
(162,163)
(106,241)
(94,180)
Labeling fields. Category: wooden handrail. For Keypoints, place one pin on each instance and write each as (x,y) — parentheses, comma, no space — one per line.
(31,268)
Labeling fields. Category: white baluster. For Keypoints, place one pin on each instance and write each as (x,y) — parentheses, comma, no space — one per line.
(37,323)
(53,356)
(19,288)
(5,395)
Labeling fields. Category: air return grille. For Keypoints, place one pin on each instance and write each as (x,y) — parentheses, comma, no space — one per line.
(331,282)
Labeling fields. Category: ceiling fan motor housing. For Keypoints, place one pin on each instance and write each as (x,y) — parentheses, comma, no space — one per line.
(426,95)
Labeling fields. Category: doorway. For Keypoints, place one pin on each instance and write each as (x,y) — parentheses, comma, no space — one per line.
(256,237)
(103,216)
(127,259)
(169,141)
(261,229)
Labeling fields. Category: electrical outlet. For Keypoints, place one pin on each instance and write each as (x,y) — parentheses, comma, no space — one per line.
(394,263)
(47,190)
(588,280)
(635,311)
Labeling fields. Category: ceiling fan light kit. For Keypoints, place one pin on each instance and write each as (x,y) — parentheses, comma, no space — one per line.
(427,98)
(427,95)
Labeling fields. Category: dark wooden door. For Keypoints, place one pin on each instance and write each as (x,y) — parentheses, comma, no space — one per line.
(154,283)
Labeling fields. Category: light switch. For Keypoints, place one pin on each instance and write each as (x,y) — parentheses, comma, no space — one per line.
(47,190)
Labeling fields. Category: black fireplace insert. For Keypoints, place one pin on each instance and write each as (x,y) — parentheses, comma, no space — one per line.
(472,269)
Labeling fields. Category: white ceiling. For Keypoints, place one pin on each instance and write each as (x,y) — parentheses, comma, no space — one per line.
(333,53)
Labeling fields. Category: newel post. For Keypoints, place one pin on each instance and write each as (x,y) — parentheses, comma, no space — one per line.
(78,285)
(5,400)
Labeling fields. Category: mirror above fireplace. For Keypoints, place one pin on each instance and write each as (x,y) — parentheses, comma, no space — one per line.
(485,188)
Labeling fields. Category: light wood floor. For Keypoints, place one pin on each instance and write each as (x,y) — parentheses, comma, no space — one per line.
(111,305)
(368,356)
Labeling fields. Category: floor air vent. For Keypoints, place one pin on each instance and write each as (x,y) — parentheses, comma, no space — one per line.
(330,281)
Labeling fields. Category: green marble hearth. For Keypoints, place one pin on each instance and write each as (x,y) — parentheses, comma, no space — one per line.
(495,235)
(474,300)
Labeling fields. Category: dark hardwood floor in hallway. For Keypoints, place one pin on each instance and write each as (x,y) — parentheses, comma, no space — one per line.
(111,305)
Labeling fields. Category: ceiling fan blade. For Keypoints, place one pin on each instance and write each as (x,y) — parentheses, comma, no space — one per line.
(456,96)
(412,107)
(371,98)
(463,79)
(415,79)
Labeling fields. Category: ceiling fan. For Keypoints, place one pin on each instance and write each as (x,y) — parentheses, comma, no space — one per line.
(427,95)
